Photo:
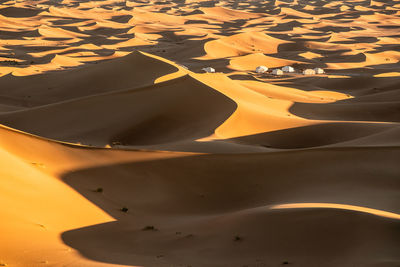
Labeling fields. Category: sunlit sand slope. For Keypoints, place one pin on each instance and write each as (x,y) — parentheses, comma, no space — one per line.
(116,149)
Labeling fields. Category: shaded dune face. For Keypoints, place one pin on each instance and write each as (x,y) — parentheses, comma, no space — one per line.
(258,190)
(116,149)
(318,135)
(142,116)
(133,71)
(290,226)
(197,217)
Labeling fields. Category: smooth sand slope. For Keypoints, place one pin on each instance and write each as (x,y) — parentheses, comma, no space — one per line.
(116,149)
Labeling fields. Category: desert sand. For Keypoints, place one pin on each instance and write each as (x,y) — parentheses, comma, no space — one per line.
(116,149)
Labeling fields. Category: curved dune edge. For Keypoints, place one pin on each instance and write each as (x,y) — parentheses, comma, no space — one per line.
(31,167)
(163,112)
(251,116)
(375,212)
(239,44)
(201,211)
(11,133)
(25,181)
(120,151)
(252,61)
(258,103)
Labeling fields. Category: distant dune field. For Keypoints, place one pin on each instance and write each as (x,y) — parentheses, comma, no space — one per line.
(117,149)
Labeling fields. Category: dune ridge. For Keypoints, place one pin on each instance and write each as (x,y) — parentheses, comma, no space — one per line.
(116,149)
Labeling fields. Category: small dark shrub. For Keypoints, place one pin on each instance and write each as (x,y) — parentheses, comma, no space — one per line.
(237,238)
(149,228)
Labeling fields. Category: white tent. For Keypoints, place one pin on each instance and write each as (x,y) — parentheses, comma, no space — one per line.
(309,72)
(261,69)
(319,71)
(277,72)
(288,69)
(209,70)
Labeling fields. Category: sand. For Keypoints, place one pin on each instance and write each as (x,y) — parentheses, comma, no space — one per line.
(116,149)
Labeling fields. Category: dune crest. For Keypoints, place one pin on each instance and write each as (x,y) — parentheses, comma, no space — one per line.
(145,133)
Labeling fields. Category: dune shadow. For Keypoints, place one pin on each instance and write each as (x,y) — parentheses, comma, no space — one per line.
(154,114)
(349,111)
(193,203)
(322,134)
(18,12)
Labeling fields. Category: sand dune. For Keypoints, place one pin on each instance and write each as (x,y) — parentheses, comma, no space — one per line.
(135,113)
(116,149)
(241,44)
(86,81)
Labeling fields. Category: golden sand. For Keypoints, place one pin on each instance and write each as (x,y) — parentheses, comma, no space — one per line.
(116,149)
